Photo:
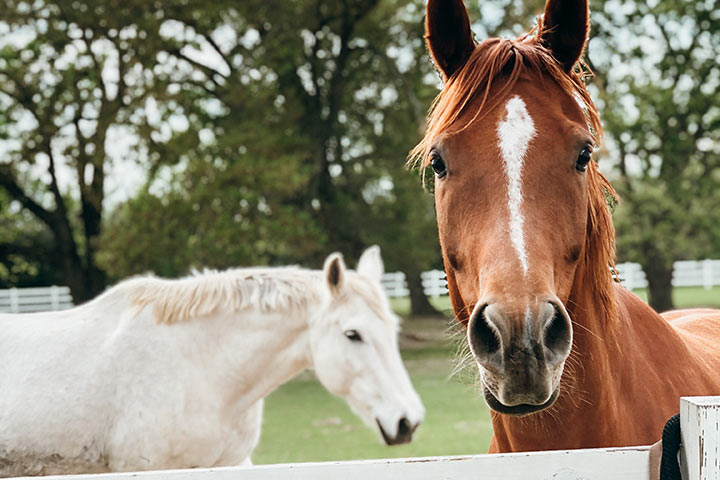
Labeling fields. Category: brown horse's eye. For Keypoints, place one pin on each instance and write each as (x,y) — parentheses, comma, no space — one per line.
(583,159)
(438,165)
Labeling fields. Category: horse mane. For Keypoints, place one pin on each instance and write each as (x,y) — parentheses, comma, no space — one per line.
(200,294)
(504,61)
(204,293)
(597,271)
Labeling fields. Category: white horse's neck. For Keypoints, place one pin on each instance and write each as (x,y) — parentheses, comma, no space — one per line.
(246,354)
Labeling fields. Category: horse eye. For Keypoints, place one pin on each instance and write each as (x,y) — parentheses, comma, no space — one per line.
(583,159)
(353,335)
(438,165)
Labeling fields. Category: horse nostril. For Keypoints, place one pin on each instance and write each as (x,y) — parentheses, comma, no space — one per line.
(404,428)
(483,337)
(558,333)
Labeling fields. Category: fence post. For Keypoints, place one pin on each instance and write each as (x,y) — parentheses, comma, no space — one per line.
(707,266)
(700,427)
(14,301)
(54,298)
(631,280)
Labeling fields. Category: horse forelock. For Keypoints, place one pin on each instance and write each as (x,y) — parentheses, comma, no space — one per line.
(492,61)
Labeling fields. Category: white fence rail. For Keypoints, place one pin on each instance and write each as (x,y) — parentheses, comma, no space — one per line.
(686,273)
(632,275)
(704,273)
(700,460)
(434,283)
(23,300)
(395,284)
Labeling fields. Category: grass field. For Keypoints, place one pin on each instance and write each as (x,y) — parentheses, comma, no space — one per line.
(304,423)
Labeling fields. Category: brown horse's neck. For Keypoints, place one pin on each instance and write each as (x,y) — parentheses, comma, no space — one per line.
(604,380)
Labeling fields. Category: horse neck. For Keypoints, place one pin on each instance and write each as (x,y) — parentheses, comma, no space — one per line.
(258,350)
(606,372)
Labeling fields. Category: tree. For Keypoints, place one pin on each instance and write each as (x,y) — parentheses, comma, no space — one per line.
(311,113)
(21,239)
(658,78)
(71,75)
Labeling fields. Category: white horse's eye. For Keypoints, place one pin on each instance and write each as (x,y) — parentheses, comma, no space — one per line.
(353,335)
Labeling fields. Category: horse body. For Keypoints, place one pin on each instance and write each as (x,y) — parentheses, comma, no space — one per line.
(105,390)
(124,383)
(567,357)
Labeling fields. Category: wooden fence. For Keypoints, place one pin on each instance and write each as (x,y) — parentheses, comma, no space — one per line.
(686,273)
(700,460)
(24,300)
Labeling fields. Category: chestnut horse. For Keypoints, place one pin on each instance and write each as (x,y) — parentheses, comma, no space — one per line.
(568,358)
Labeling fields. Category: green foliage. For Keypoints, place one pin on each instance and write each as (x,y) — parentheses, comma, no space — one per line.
(657,89)
(307,112)
(276,135)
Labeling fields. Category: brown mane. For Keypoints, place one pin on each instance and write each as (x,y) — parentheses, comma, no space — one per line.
(506,60)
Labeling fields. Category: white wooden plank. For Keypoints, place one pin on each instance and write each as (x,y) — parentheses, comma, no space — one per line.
(37,290)
(596,464)
(700,427)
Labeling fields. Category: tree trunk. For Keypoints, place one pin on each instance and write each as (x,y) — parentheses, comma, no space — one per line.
(659,276)
(419,303)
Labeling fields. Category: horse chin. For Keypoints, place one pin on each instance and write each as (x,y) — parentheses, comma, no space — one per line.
(521,410)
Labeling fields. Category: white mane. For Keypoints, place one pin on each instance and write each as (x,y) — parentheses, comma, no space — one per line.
(206,292)
(269,289)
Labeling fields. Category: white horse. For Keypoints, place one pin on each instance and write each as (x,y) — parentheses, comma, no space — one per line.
(159,374)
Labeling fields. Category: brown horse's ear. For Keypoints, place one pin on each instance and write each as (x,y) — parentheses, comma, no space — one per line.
(565,29)
(448,34)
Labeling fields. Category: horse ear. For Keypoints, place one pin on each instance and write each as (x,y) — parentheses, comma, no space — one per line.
(334,271)
(371,265)
(564,30)
(448,35)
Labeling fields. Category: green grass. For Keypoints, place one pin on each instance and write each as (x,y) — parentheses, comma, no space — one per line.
(690,297)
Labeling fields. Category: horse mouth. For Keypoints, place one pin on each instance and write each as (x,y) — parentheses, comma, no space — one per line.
(517,410)
(404,435)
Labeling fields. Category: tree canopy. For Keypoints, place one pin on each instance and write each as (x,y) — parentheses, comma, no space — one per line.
(658,77)
(266,133)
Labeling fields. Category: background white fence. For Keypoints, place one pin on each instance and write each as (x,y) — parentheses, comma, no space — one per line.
(686,273)
(699,460)
(42,299)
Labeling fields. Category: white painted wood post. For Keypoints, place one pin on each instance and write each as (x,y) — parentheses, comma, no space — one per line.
(700,427)
(707,270)
(14,301)
(54,298)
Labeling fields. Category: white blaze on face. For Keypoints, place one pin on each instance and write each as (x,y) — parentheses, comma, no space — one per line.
(515,133)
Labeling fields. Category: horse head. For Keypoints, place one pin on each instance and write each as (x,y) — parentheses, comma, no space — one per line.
(354,344)
(521,206)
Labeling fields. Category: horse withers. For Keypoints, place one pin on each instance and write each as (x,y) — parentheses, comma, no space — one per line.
(568,358)
(161,374)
